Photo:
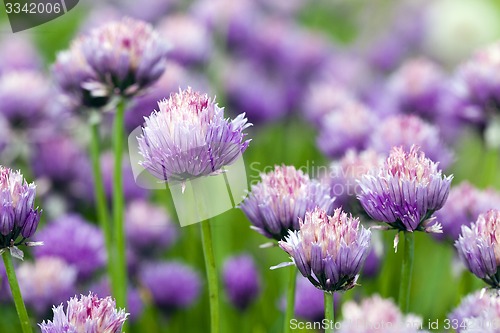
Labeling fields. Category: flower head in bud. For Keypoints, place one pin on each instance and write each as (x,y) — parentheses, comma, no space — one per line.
(87,314)
(242,281)
(328,250)
(479,247)
(189,137)
(405,191)
(18,217)
(121,57)
(284,195)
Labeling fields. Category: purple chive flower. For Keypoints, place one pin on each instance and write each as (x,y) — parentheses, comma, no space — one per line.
(376,314)
(18,217)
(480,80)
(416,88)
(19,108)
(479,249)
(241,281)
(408,130)
(176,76)
(463,206)
(131,190)
(347,127)
(472,306)
(172,285)
(148,227)
(284,195)
(86,314)
(121,57)
(264,101)
(47,281)
(135,305)
(18,53)
(71,171)
(309,301)
(405,191)
(189,137)
(343,175)
(323,98)
(74,240)
(191,40)
(328,250)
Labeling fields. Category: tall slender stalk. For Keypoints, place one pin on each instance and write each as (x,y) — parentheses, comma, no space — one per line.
(16,293)
(119,285)
(330,312)
(100,194)
(406,271)
(213,286)
(290,299)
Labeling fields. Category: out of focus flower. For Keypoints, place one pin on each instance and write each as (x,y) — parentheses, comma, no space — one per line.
(263,101)
(284,195)
(176,76)
(131,190)
(347,127)
(74,240)
(323,98)
(479,248)
(135,305)
(472,306)
(148,10)
(376,314)
(148,227)
(463,207)
(405,191)
(87,314)
(18,53)
(309,301)
(373,261)
(70,172)
(189,137)
(23,109)
(172,285)
(47,281)
(18,217)
(479,78)
(343,175)
(241,281)
(191,40)
(121,57)
(408,130)
(328,250)
(415,88)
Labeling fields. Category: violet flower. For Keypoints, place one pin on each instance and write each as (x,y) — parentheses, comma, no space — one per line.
(241,281)
(86,314)
(284,195)
(18,217)
(189,137)
(479,249)
(405,191)
(328,250)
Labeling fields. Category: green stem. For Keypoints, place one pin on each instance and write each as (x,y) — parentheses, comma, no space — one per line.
(213,287)
(490,161)
(330,312)
(406,271)
(100,194)
(290,299)
(16,293)
(119,285)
